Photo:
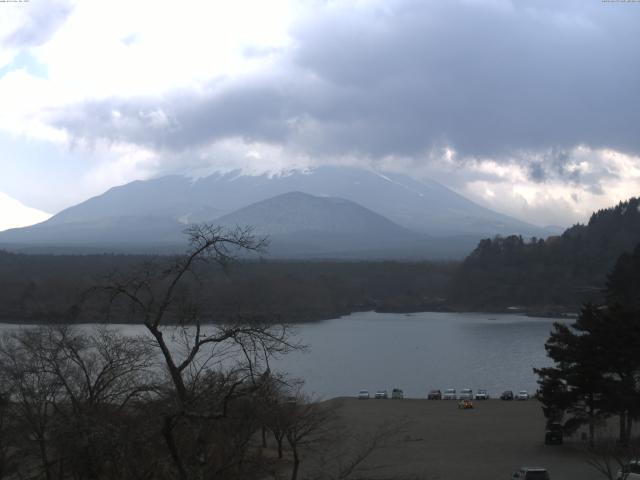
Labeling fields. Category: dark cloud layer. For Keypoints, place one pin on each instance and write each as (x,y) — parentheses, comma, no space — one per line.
(490,79)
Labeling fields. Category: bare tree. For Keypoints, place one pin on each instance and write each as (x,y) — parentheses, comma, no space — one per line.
(209,365)
(34,392)
(277,422)
(279,393)
(68,394)
(8,454)
(307,423)
(97,369)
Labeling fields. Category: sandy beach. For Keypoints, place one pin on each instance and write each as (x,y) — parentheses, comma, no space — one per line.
(442,442)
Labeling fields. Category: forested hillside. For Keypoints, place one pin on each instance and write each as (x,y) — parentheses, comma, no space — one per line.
(550,274)
(52,288)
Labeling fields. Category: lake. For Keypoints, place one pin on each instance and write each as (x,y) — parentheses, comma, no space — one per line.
(415,352)
(420,351)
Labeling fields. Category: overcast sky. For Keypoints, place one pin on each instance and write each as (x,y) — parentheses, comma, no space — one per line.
(528,107)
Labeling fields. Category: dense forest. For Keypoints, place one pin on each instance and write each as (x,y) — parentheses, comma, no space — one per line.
(552,275)
(50,288)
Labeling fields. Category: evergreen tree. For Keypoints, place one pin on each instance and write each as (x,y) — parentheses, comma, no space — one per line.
(597,358)
(576,385)
(623,338)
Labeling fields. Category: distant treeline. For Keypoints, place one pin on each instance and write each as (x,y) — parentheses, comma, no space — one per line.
(50,288)
(552,275)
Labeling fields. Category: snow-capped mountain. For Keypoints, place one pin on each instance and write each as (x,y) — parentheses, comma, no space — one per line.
(154,212)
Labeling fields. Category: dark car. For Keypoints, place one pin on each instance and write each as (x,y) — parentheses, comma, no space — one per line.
(553,435)
(506,395)
(434,395)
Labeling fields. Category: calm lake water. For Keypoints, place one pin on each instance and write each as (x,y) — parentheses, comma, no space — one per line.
(415,352)
(420,351)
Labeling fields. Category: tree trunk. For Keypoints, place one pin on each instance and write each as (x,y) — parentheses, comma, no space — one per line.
(279,440)
(296,464)
(174,371)
(45,458)
(592,421)
(60,468)
(624,439)
(167,432)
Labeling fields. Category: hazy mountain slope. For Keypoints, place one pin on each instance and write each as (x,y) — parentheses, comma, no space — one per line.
(172,197)
(424,206)
(296,212)
(154,212)
(108,231)
(301,225)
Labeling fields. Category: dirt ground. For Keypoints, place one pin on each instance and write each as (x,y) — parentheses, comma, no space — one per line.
(442,442)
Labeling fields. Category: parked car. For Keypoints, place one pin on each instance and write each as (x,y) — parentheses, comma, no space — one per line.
(397,394)
(434,395)
(522,395)
(553,435)
(363,395)
(450,394)
(381,394)
(482,394)
(466,394)
(630,471)
(531,473)
(506,395)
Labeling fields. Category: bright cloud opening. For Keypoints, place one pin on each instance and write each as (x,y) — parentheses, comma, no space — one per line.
(14,214)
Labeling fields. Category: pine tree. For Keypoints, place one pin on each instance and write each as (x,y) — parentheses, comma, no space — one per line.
(576,386)
(597,358)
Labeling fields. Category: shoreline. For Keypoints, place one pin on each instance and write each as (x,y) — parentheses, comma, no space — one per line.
(339,314)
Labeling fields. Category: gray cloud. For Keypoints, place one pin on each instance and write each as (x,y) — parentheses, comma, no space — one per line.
(489,80)
(553,164)
(537,172)
(486,81)
(43,21)
(184,120)
(560,165)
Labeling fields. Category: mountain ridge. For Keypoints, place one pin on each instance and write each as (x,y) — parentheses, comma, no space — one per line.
(156,211)
(419,205)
